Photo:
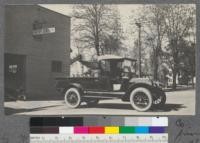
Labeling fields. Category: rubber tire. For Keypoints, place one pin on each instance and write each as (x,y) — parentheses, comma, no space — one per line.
(145,91)
(92,103)
(75,90)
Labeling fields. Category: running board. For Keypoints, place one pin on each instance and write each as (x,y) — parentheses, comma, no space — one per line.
(98,97)
(104,92)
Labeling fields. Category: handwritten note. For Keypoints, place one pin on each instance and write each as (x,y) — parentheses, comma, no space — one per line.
(188,131)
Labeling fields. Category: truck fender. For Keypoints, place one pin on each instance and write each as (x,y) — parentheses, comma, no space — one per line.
(75,85)
(132,87)
(135,85)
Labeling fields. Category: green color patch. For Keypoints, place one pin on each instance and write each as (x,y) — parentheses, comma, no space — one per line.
(125,130)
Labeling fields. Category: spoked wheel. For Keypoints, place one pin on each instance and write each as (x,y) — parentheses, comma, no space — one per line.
(141,99)
(92,102)
(72,98)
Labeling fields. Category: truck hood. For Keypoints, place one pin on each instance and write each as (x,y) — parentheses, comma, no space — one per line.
(147,81)
(141,80)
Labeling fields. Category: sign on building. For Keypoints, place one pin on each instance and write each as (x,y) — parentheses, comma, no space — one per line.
(44,31)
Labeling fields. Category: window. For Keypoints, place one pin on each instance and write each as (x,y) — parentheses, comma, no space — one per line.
(56,66)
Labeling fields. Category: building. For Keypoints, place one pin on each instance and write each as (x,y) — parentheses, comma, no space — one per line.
(37,50)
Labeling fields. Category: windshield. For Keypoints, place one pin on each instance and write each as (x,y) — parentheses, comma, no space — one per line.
(128,65)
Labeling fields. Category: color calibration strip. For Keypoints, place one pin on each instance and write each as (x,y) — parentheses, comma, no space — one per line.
(98,130)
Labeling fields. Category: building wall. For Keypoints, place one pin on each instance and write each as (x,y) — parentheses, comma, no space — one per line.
(40,80)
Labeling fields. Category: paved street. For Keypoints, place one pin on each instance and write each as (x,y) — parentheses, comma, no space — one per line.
(178,103)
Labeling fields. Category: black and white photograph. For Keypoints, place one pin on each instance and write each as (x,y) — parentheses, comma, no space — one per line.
(100,59)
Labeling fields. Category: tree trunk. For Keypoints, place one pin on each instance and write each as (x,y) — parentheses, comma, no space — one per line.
(157,50)
(155,74)
(96,31)
(174,78)
(176,62)
(156,71)
(175,69)
(97,49)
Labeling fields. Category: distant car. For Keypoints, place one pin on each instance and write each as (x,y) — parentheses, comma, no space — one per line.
(117,79)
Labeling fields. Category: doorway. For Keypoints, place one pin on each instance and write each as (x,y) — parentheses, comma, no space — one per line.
(14,74)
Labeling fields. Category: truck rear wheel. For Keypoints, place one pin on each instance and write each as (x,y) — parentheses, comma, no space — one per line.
(141,99)
(72,98)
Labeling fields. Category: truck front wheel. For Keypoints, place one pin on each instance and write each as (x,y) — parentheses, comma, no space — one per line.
(72,98)
(141,99)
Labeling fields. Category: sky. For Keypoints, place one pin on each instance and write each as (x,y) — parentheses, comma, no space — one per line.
(125,10)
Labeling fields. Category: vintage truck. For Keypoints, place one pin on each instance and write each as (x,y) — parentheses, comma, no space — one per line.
(116,79)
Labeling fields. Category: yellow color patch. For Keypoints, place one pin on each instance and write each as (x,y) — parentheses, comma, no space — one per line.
(111,130)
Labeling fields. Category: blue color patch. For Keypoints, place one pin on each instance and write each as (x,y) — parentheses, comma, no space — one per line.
(141,130)
(157,129)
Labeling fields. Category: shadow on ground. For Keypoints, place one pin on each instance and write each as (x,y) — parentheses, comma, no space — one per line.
(169,107)
(165,108)
(117,106)
(11,111)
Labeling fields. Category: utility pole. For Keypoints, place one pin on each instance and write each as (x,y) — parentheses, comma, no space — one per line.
(139,47)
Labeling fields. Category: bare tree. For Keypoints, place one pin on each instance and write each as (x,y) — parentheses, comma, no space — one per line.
(179,20)
(165,26)
(113,42)
(153,22)
(94,22)
(153,32)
